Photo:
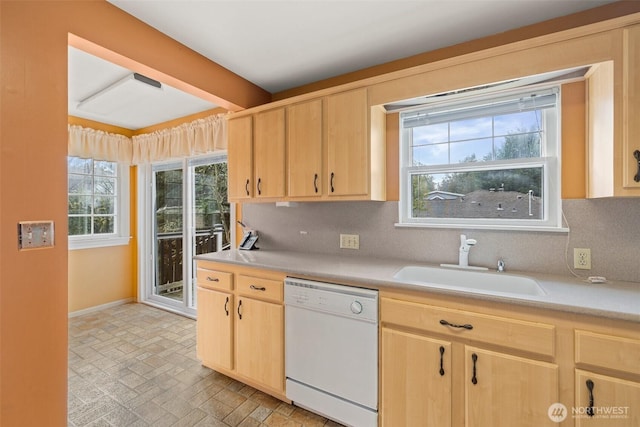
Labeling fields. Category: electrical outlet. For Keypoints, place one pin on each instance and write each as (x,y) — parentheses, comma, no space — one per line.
(582,258)
(349,241)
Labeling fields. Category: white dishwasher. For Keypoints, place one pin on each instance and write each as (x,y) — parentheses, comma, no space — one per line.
(331,343)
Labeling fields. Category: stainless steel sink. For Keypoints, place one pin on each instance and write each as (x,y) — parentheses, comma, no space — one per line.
(485,282)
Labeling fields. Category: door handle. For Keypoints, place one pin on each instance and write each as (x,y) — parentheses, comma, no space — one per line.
(315,182)
(246,186)
(226,306)
(474,378)
(453,325)
(333,175)
(239,312)
(259,186)
(441,361)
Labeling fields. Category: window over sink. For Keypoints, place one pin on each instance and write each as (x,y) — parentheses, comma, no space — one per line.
(482,161)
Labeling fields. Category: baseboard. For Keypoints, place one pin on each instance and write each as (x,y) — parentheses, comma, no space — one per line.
(100,307)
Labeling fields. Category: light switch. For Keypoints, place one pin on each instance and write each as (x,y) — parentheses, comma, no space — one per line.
(35,234)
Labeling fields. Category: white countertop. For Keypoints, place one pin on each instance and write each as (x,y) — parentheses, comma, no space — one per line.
(613,299)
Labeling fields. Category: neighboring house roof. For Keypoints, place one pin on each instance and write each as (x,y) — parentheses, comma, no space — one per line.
(443,195)
(481,204)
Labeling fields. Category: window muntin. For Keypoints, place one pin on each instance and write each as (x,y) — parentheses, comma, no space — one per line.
(97,203)
(488,162)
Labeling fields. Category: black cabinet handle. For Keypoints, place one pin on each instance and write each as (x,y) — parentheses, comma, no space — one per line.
(226,306)
(474,378)
(246,186)
(212,279)
(258,288)
(315,182)
(333,175)
(636,154)
(453,325)
(239,313)
(441,361)
(590,386)
(259,186)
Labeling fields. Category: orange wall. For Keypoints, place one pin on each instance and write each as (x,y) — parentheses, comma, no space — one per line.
(100,276)
(34,36)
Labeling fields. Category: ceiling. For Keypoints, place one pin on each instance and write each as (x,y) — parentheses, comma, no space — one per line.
(280,45)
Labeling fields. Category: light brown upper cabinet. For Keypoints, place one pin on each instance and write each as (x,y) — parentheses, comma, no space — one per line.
(355,147)
(613,128)
(269,154)
(304,137)
(240,158)
(328,148)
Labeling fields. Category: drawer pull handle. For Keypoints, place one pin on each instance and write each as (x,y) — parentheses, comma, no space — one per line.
(590,386)
(258,288)
(441,361)
(239,313)
(226,306)
(474,378)
(212,279)
(453,325)
(636,154)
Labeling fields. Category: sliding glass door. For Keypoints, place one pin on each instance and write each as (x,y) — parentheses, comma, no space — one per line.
(190,215)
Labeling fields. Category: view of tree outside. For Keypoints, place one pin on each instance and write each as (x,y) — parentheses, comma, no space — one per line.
(92,192)
(211,205)
(506,193)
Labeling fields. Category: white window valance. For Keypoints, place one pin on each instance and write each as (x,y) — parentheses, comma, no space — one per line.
(201,136)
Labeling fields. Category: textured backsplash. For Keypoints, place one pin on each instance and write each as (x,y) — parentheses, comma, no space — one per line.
(610,227)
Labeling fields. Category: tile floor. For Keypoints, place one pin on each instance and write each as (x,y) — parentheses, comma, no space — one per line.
(135,365)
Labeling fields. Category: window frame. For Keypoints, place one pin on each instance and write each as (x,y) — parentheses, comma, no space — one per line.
(550,162)
(122,217)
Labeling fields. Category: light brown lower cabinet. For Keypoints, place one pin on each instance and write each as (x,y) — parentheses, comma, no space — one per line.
(416,380)
(436,373)
(240,327)
(215,328)
(502,390)
(259,342)
(605,401)
(499,389)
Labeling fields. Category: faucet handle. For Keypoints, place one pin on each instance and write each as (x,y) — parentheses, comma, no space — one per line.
(501,265)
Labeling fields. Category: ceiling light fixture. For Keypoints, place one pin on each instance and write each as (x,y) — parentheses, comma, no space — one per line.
(130,89)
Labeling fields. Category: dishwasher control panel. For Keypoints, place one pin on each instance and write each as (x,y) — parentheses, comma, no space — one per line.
(340,300)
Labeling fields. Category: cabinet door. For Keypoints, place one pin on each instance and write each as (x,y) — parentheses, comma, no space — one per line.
(260,342)
(631,100)
(269,154)
(347,144)
(610,401)
(416,380)
(505,391)
(214,328)
(304,137)
(240,158)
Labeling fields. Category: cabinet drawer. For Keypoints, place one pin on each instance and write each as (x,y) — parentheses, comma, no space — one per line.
(519,334)
(608,351)
(266,289)
(213,279)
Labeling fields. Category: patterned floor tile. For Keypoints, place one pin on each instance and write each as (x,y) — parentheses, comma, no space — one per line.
(136,366)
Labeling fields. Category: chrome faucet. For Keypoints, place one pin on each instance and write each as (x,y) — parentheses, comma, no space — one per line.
(465,247)
(501,265)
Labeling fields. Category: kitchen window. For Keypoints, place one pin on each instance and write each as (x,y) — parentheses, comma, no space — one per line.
(98,203)
(489,161)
